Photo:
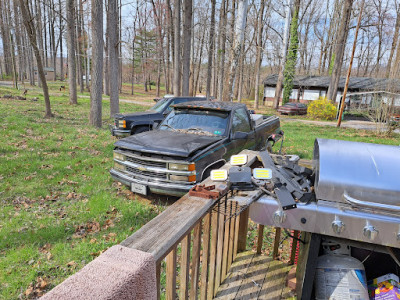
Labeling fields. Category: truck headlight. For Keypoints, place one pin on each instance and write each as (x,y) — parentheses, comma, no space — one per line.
(190,178)
(181,167)
(118,156)
(122,123)
(118,166)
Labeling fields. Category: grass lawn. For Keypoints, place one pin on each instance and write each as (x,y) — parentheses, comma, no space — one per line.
(59,207)
(299,137)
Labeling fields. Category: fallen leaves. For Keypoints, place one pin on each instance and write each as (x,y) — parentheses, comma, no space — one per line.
(36,289)
(72,264)
(82,231)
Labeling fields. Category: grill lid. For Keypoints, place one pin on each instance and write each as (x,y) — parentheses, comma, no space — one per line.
(361,174)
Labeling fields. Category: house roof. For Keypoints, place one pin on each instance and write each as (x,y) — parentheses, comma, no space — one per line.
(355,83)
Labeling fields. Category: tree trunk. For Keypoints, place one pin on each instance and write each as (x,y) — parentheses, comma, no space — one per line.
(171,46)
(211,50)
(394,42)
(31,30)
(339,52)
(177,48)
(240,26)
(79,45)
(113,45)
(187,38)
(260,27)
(5,35)
(61,42)
(160,47)
(278,89)
(97,64)
(290,67)
(71,52)
(223,22)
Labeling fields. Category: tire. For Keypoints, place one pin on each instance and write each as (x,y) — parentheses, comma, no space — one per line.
(140,129)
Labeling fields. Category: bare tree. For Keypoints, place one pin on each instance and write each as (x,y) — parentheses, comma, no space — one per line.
(222,47)
(237,45)
(394,41)
(177,48)
(260,27)
(278,90)
(113,49)
(71,45)
(187,36)
(31,30)
(97,64)
(211,40)
(340,47)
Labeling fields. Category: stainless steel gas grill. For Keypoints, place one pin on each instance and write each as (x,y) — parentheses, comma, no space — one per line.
(357,189)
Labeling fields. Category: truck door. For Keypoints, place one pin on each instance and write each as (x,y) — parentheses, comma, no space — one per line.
(241,123)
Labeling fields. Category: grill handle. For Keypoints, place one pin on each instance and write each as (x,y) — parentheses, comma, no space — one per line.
(355,202)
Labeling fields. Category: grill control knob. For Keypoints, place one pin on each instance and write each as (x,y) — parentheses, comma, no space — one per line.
(398,237)
(279,217)
(338,226)
(370,232)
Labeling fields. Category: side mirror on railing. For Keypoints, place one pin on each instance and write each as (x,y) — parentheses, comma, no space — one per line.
(239,135)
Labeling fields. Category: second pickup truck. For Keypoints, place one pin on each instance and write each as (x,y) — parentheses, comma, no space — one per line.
(192,140)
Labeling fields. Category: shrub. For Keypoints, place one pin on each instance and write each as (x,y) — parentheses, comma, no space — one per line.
(322,109)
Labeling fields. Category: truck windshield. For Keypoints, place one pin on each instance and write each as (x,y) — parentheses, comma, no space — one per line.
(196,121)
(160,105)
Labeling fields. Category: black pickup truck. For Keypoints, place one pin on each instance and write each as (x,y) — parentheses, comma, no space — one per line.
(128,124)
(193,139)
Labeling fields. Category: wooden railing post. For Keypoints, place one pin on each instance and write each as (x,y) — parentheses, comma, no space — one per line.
(260,238)
(206,254)
(224,271)
(243,227)
(171,275)
(213,253)
(231,236)
(236,239)
(194,283)
(220,246)
(275,253)
(185,263)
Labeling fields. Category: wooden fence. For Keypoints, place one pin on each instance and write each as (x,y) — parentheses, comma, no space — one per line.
(199,239)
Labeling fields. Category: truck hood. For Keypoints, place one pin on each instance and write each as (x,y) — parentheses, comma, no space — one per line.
(139,115)
(167,142)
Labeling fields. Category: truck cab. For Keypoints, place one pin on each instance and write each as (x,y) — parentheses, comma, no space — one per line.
(133,123)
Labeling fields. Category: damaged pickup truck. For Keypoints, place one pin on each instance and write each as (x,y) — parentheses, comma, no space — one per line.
(192,140)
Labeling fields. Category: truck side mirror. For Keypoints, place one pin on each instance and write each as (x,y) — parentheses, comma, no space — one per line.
(239,135)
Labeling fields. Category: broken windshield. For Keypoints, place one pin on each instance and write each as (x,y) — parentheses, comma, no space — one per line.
(196,122)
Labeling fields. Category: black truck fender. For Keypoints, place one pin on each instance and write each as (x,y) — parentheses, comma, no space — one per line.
(140,127)
(215,165)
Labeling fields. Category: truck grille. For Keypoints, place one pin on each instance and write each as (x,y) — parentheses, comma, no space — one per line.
(146,173)
(147,163)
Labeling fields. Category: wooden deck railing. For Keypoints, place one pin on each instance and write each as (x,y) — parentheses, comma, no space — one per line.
(199,240)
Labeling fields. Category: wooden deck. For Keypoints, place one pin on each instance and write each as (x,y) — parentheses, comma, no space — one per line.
(253,276)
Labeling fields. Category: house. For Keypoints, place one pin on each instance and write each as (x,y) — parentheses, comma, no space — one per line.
(48,72)
(307,88)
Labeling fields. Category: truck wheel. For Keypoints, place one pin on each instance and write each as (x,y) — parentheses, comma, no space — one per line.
(140,129)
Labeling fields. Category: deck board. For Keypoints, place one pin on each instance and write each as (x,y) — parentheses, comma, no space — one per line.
(253,276)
